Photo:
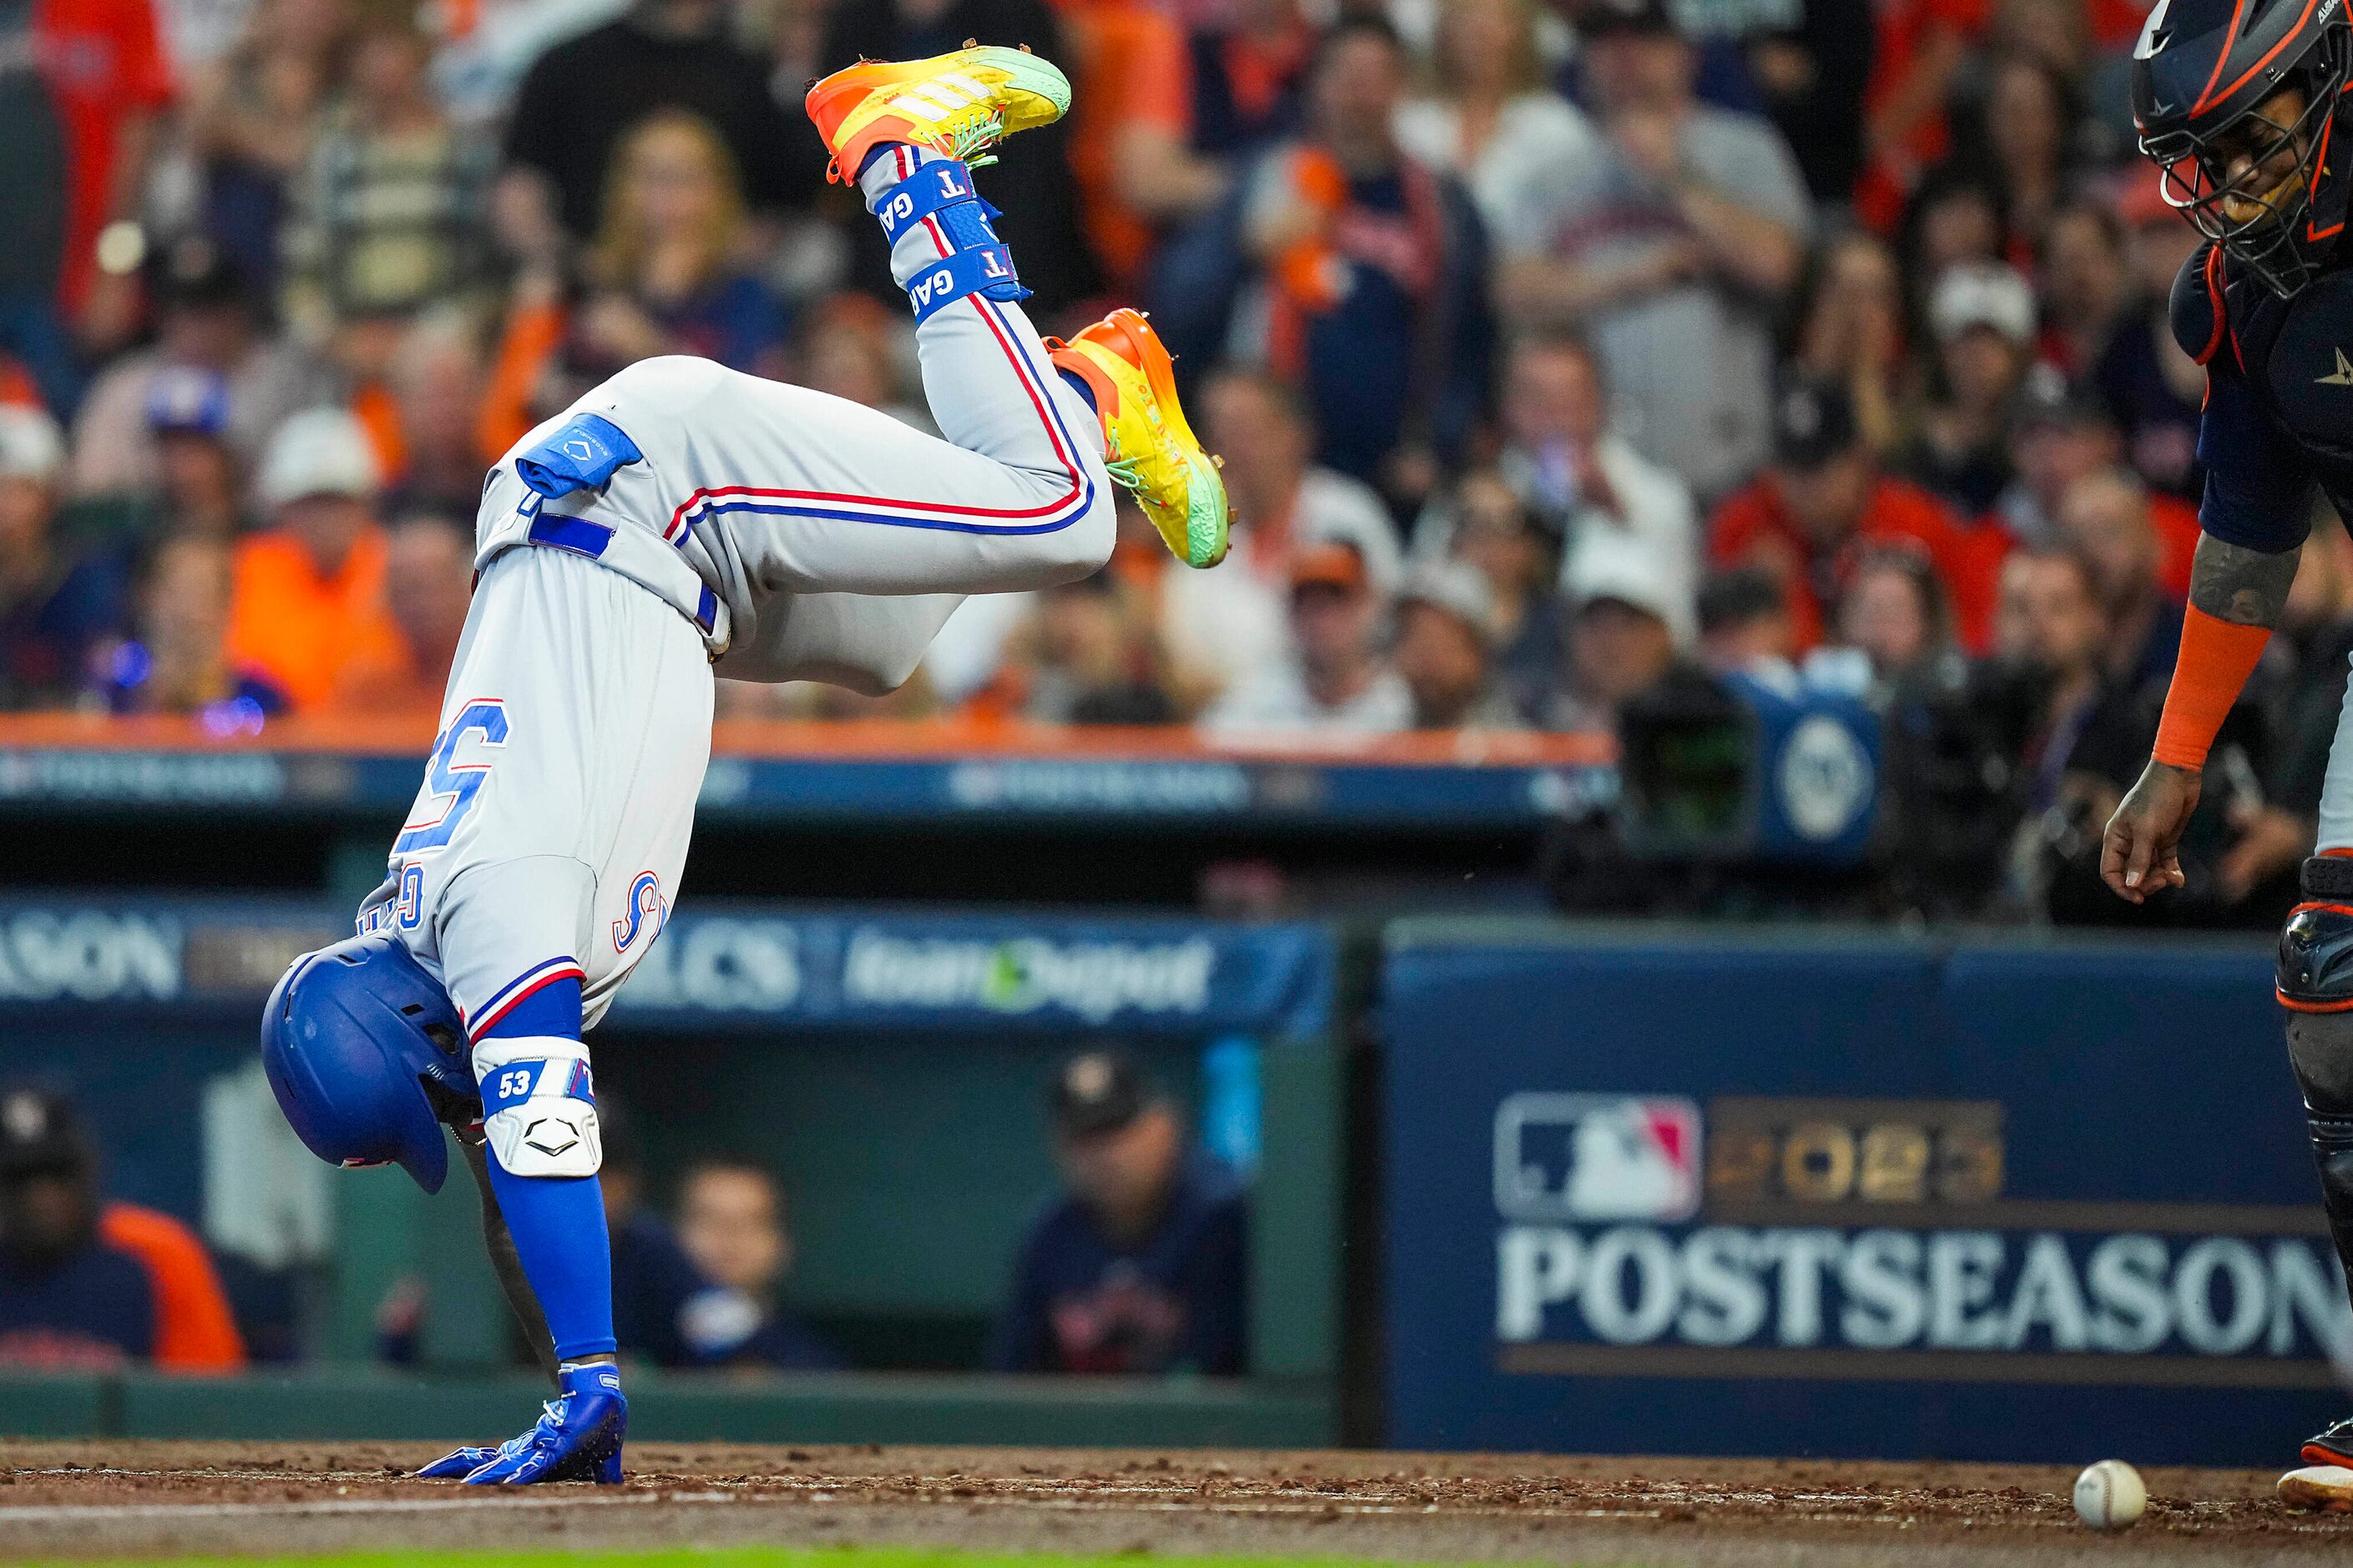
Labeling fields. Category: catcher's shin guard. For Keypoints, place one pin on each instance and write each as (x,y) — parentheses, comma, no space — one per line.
(2334,1447)
(2316,986)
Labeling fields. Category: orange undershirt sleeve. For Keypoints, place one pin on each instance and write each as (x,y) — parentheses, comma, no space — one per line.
(2216,657)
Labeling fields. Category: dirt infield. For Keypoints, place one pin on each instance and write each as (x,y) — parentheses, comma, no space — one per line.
(149,1499)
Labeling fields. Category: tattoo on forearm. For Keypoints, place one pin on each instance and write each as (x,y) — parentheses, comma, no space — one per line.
(2246,587)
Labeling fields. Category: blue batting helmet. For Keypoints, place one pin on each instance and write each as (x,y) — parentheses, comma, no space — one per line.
(366,1053)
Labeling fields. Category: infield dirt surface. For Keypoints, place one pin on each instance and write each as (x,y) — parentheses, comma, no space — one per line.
(147,1501)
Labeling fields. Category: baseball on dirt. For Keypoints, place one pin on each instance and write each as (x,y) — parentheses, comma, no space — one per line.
(2110,1495)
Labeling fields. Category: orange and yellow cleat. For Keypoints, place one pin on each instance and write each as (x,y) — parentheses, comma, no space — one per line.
(1148,446)
(960,104)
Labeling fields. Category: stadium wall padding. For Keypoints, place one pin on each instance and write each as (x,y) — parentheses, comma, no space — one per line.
(1798,1192)
(1848,1193)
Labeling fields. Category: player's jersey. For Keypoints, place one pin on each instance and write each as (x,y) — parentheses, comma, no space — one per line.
(729,495)
(2278,423)
(549,835)
(679,514)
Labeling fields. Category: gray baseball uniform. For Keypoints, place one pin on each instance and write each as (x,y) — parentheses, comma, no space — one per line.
(683,517)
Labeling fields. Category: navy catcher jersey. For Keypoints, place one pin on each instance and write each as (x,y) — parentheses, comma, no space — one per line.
(2278,423)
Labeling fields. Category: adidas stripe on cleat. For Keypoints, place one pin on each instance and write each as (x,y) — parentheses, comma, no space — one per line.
(959,104)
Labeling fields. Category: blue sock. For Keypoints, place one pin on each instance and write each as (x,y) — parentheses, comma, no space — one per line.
(1078,383)
(558,1222)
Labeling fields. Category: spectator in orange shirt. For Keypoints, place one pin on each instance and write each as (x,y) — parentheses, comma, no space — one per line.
(87,1283)
(309,597)
(428,580)
(195,1331)
(1822,499)
(1130,147)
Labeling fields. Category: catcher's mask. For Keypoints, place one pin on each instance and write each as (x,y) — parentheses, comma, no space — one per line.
(2252,170)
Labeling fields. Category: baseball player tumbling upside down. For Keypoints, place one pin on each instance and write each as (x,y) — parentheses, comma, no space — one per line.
(682,519)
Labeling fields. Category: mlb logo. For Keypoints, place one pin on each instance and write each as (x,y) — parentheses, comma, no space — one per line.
(1597,1157)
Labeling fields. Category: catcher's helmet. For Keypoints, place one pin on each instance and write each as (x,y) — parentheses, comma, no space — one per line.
(2198,73)
(368,1058)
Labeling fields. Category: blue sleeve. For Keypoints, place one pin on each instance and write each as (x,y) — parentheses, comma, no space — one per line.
(584,455)
(2259,484)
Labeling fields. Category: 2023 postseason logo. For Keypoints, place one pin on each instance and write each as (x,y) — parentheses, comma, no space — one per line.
(1871,1239)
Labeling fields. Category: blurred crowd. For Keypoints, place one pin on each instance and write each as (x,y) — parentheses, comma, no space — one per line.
(1554,346)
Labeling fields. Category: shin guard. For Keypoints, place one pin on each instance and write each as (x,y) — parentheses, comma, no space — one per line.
(2316,986)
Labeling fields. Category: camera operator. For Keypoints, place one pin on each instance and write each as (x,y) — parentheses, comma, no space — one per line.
(2092,728)
(1953,728)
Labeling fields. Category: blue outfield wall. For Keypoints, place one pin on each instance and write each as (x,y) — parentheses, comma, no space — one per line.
(1662,1191)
